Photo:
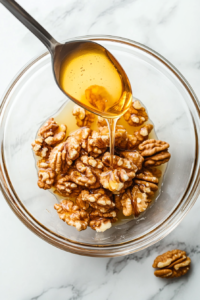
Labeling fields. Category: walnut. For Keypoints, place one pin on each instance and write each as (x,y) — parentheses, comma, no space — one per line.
(171,264)
(62,156)
(46,176)
(83,117)
(134,156)
(101,122)
(102,221)
(97,96)
(151,147)
(115,179)
(65,187)
(98,199)
(119,162)
(136,114)
(41,148)
(147,182)
(52,132)
(97,144)
(138,136)
(72,214)
(155,152)
(157,159)
(87,172)
(120,136)
(133,201)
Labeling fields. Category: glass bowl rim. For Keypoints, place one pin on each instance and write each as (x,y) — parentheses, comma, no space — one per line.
(144,241)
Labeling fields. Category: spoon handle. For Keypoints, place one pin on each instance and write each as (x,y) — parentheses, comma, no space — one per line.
(31,24)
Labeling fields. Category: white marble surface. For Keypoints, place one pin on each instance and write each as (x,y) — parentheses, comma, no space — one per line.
(33,269)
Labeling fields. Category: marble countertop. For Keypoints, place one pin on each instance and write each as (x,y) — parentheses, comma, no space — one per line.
(32,269)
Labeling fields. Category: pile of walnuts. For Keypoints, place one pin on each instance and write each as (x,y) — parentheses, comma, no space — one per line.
(77,167)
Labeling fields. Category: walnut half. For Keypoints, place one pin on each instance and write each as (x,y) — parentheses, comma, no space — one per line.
(155,152)
(72,214)
(83,117)
(171,264)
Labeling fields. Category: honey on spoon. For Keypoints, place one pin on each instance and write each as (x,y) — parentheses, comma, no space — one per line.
(85,71)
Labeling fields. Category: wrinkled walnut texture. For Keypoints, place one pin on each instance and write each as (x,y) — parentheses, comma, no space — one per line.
(172,264)
(79,167)
(136,114)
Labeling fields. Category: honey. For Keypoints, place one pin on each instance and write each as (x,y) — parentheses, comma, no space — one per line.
(94,79)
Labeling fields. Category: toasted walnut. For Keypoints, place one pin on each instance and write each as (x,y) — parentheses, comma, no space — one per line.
(87,172)
(136,114)
(119,162)
(147,182)
(139,136)
(98,199)
(102,221)
(120,136)
(97,144)
(171,264)
(155,152)
(115,179)
(83,117)
(65,187)
(62,156)
(97,96)
(52,132)
(151,147)
(46,176)
(72,214)
(41,148)
(133,201)
(134,157)
(157,159)
(101,122)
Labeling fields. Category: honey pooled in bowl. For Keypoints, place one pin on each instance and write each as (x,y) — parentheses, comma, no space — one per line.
(74,164)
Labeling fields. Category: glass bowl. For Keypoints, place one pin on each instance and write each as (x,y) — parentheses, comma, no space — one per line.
(33,97)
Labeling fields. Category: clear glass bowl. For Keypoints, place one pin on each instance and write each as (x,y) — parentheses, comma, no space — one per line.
(33,97)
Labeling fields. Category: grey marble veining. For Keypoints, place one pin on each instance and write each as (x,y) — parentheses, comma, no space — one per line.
(32,269)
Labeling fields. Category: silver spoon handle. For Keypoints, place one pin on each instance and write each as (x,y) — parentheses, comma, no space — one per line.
(31,24)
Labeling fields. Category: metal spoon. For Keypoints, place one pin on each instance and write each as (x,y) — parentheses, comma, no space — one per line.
(58,51)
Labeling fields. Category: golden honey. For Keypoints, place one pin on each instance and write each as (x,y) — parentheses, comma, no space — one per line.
(96,81)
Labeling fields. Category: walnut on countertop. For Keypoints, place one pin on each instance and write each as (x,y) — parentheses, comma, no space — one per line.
(132,202)
(72,214)
(172,264)
(83,117)
(46,176)
(97,199)
(154,152)
(102,221)
(147,182)
(136,114)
